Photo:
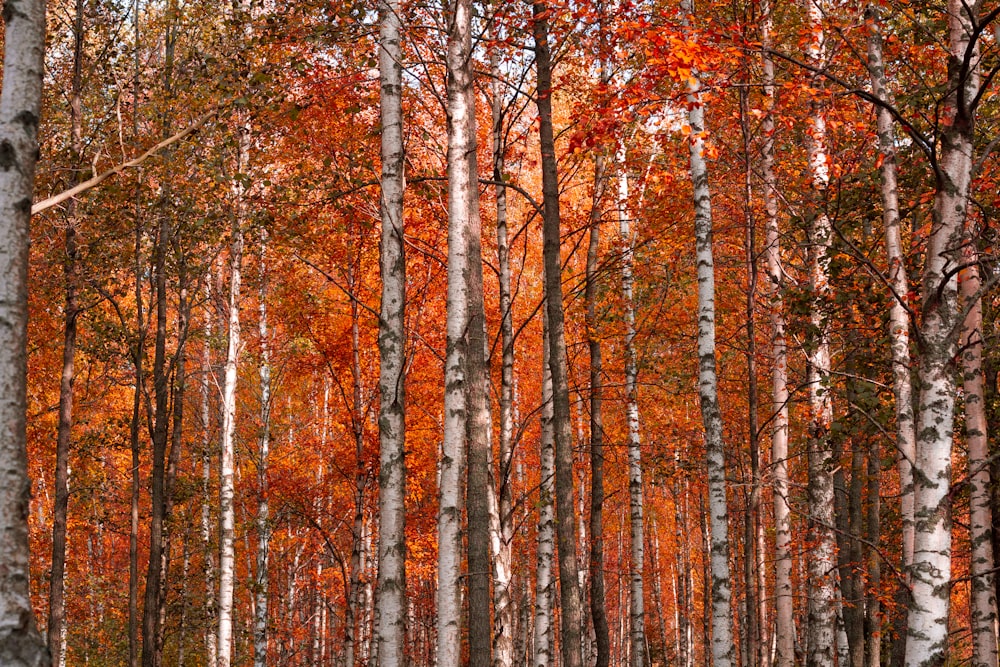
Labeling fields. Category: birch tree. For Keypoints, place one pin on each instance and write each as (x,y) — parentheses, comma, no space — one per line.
(637,630)
(822,562)
(391,641)
(941,318)
(544,642)
(21,645)
(261,597)
(784,631)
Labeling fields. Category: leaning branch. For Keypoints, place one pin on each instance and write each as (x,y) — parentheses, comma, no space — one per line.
(55,200)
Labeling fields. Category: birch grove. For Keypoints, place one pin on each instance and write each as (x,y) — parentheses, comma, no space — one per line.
(718,385)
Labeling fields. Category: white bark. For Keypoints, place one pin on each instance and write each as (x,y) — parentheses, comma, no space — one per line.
(227,517)
(502,517)
(822,639)
(21,645)
(261,597)
(899,322)
(784,631)
(211,643)
(544,589)
(460,190)
(930,571)
(983,602)
(722,617)
(391,633)
(637,617)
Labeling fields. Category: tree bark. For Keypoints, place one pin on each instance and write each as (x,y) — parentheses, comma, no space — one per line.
(598,605)
(637,614)
(504,609)
(821,462)
(722,630)
(392,346)
(21,645)
(983,602)
(211,643)
(784,629)
(261,597)
(57,583)
(569,591)
(227,515)
(544,643)
(927,627)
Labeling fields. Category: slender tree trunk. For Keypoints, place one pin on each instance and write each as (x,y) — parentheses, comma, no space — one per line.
(569,590)
(544,642)
(983,602)
(261,597)
(20,642)
(391,346)
(227,516)
(505,612)
(927,621)
(899,323)
(598,605)
(463,211)
(821,462)
(784,630)
(636,615)
(57,583)
(206,471)
(722,630)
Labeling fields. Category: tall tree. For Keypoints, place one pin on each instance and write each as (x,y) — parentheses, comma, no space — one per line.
(57,580)
(927,641)
(821,461)
(391,345)
(21,645)
(543,631)
(263,520)
(569,587)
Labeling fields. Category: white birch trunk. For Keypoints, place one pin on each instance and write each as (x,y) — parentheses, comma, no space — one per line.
(502,517)
(637,617)
(722,617)
(983,602)
(899,322)
(450,542)
(544,643)
(211,643)
(784,630)
(20,99)
(927,622)
(261,597)
(391,633)
(227,517)
(822,640)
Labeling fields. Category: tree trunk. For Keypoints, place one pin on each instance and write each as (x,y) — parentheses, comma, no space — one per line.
(57,583)
(984,604)
(544,642)
(261,597)
(722,630)
(569,591)
(927,621)
(598,604)
(391,346)
(784,629)
(504,609)
(637,619)
(227,516)
(211,643)
(20,642)
(899,323)
(821,462)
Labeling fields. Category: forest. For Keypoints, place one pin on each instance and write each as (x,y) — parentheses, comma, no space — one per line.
(548,333)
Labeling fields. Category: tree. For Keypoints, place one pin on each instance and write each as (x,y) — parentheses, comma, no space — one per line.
(21,645)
